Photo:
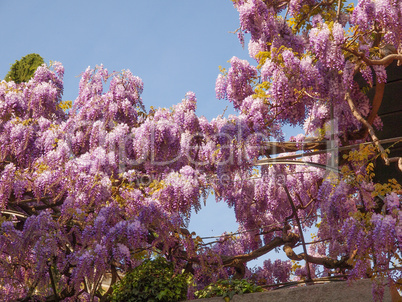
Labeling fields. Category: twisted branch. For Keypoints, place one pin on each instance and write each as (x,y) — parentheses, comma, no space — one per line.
(384,61)
(370,129)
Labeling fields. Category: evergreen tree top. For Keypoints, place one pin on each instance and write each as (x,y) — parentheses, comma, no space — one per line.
(24,69)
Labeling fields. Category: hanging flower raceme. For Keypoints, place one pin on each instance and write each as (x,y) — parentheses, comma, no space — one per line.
(237,84)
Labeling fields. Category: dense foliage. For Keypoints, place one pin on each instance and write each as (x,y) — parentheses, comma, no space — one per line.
(227,289)
(153,280)
(99,185)
(24,69)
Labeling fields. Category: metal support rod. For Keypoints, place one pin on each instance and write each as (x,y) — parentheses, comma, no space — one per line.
(294,210)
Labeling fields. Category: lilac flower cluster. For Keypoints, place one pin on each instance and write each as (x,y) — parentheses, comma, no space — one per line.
(289,76)
(384,14)
(255,18)
(236,86)
(181,191)
(7,178)
(118,104)
(272,272)
(326,45)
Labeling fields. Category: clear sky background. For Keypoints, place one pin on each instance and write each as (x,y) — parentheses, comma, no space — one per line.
(174,46)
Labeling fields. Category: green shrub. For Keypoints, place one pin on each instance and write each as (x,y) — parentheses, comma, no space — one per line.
(24,69)
(227,289)
(154,280)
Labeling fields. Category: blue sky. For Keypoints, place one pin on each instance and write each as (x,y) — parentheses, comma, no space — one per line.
(174,46)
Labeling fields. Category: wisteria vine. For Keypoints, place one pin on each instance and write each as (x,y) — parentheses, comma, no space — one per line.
(91,189)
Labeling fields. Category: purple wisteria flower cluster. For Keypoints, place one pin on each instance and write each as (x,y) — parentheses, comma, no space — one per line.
(90,191)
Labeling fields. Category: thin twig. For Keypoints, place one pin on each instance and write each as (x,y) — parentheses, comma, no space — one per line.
(338,11)
(53,283)
(370,129)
